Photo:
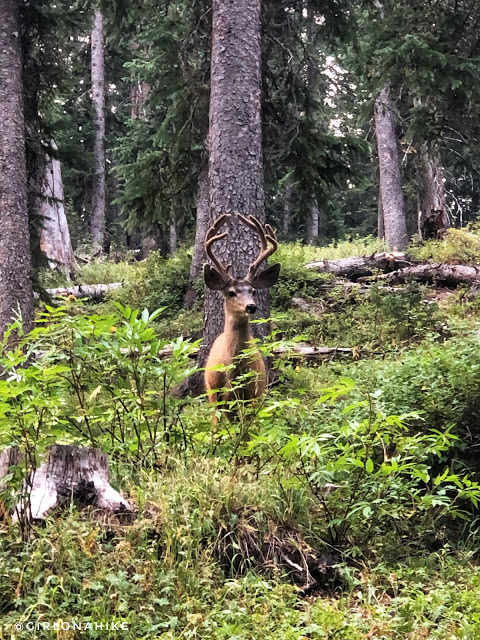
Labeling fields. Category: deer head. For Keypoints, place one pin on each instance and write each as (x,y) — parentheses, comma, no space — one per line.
(240,294)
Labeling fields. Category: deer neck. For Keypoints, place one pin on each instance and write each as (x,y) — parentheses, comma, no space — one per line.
(237,334)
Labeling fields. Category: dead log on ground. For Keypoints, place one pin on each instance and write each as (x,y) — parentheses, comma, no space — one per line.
(293,352)
(358,266)
(92,291)
(317,354)
(440,274)
(67,474)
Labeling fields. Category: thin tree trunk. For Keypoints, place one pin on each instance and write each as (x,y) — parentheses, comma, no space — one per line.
(312,231)
(313,82)
(390,176)
(16,293)
(235,144)
(55,240)
(201,227)
(138,95)
(433,217)
(287,210)
(97,221)
(172,239)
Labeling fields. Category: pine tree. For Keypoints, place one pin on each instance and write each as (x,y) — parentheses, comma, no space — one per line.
(97,219)
(16,294)
(395,227)
(235,142)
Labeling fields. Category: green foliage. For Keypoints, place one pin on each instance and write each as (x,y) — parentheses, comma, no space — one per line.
(159,576)
(100,380)
(382,474)
(295,280)
(373,320)
(459,246)
(161,282)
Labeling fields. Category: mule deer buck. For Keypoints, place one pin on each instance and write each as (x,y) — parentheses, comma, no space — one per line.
(225,362)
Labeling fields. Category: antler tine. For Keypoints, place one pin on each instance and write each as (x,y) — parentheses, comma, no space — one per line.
(266,235)
(211,237)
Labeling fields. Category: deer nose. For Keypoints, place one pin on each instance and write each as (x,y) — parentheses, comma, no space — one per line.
(251,308)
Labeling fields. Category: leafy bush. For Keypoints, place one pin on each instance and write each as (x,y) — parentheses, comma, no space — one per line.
(162,282)
(459,246)
(368,321)
(100,380)
(383,475)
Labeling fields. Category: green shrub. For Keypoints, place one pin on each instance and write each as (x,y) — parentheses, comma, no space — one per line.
(377,320)
(459,246)
(161,282)
(100,380)
(385,477)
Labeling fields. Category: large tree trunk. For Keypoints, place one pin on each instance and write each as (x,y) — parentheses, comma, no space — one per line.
(55,240)
(16,293)
(97,220)
(235,144)
(390,177)
(433,218)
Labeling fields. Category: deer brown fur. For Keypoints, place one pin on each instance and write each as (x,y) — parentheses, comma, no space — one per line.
(239,307)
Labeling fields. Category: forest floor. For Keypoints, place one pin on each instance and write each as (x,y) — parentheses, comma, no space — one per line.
(342,507)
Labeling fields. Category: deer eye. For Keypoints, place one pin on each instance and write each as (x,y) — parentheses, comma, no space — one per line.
(254,293)
(232,294)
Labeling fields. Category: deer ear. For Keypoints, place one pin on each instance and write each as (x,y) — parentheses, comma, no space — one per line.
(213,279)
(267,278)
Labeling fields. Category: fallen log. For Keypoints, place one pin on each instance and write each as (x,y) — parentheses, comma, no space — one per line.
(358,266)
(439,274)
(304,351)
(317,354)
(307,352)
(67,474)
(93,291)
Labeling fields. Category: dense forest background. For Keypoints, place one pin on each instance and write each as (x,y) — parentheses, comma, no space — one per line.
(324,68)
(344,502)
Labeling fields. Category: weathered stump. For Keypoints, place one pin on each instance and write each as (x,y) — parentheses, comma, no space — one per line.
(67,474)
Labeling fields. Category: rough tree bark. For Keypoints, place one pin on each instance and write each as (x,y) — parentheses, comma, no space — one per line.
(55,240)
(67,474)
(16,293)
(390,177)
(381,223)
(432,216)
(235,144)
(97,220)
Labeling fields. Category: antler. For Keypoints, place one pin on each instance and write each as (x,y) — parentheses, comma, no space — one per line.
(266,234)
(211,237)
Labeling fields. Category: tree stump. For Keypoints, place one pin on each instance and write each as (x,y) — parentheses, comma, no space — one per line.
(67,474)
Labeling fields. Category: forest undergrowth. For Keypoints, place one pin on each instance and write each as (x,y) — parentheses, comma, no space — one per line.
(343,505)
